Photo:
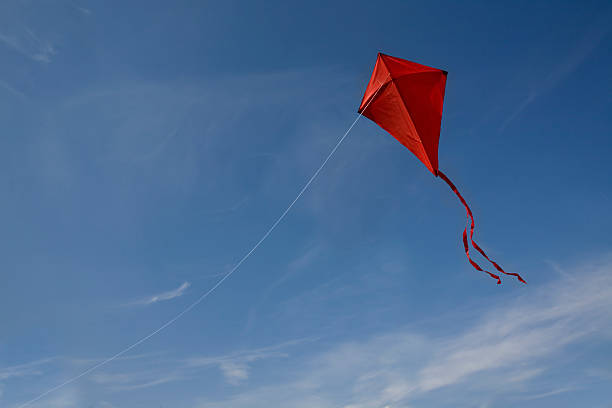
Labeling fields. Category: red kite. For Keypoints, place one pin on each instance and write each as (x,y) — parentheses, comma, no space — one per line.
(406,99)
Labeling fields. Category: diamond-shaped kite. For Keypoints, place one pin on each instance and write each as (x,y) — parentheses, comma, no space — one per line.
(406,99)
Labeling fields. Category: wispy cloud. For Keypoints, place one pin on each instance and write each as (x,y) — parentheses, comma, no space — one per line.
(94,361)
(83,10)
(66,398)
(24,370)
(560,390)
(160,297)
(235,368)
(578,54)
(507,352)
(134,380)
(13,91)
(29,44)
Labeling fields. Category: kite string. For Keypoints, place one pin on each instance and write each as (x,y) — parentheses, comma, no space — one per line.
(234,269)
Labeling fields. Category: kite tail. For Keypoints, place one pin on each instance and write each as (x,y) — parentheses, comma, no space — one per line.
(474,244)
(474,264)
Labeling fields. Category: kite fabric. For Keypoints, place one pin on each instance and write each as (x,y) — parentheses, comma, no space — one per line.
(406,99)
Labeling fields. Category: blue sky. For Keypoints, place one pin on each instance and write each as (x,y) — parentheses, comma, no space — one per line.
(146,147)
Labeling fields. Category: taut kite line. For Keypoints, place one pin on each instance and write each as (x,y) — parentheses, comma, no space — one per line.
(214,287)
(408,105)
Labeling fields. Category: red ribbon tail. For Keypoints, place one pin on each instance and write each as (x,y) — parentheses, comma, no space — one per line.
(474,244)
(499,268)
(474,264)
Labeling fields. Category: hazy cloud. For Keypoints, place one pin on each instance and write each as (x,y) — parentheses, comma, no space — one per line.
(518,340)
(578,54)
(235,368)
(13,91)
(160,297)
(24,370)
(29,44)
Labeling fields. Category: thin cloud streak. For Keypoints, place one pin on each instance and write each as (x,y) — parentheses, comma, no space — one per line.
(519,341)
(589,42)
(235,368)
(26,369)
(160,297)
(30,45)
(13,91)
(134,381)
